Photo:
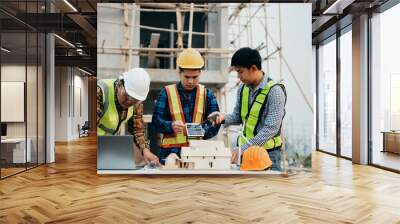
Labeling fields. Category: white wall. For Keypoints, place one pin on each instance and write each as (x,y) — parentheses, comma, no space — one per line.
(79,117)
(61,103)
(33,126)
(16,73)
(69,82)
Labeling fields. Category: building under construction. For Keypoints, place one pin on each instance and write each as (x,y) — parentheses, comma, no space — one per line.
(151,35)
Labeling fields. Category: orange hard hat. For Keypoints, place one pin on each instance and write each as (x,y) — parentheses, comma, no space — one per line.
(255,158)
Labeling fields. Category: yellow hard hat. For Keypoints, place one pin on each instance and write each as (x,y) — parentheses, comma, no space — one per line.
(255,158)
(190,59)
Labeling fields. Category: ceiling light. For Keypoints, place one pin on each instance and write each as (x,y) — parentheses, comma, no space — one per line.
(64,40)
(84,71)
(338,6)
(5,50)
(70,5)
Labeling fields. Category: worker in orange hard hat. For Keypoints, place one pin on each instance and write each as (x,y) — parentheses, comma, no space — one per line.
(255,158)
(184,102)
(260,107)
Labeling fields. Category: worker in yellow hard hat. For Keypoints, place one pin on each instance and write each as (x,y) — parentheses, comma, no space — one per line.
(260,107)
(184,102)
(120,99)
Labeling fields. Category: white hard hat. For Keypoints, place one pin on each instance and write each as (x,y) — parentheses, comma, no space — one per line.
(137,83)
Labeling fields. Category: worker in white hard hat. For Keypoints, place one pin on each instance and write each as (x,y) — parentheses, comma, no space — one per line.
(184,102)
(120,99)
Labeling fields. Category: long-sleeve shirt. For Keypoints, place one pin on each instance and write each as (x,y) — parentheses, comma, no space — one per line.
(270,120)
(137,129)
(162,116)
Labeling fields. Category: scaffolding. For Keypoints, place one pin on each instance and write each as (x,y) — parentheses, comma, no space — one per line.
(152,50)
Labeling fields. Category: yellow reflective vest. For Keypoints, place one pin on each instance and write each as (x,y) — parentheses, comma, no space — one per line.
(175,107)
(109,123)
(251,114)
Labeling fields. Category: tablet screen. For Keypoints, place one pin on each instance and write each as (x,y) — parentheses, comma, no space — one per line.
(194,130)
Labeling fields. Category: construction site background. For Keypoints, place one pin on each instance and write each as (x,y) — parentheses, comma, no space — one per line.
(151,35)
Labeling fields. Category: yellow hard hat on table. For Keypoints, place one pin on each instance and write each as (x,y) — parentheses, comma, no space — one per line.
(190,59)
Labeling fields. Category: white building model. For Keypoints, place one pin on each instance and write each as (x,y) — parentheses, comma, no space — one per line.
(209,155)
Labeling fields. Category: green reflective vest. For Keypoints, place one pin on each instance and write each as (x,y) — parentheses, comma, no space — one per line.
(109,123)
(252,118)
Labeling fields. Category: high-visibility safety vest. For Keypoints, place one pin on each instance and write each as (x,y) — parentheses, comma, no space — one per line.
(109,123)
(175,107)
(251,115)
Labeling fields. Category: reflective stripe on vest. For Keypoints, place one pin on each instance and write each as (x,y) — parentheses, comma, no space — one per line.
(108,123)
(175,106)
(251,118)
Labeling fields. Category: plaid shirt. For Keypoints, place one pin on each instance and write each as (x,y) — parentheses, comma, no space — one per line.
(270,120)
(162,117)
(136,123)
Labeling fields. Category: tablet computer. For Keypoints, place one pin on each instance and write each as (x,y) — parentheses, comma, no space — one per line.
(194,130)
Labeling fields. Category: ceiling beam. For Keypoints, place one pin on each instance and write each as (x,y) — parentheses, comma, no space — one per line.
(83,61)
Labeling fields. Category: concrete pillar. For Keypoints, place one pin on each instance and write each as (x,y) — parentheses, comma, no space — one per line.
(50,91)
(50,98)
(136,36)
(360,90)
(217,24)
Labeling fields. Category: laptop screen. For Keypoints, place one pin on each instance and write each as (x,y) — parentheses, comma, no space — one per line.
(115,152)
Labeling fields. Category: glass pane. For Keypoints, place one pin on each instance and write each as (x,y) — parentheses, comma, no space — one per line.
(346,94)
(31,85)
(41,99)
(386,89)
(327,97)
(13,85)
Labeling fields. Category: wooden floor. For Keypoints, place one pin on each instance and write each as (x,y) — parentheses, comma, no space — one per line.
(387,159)
(70,191)
(5,172)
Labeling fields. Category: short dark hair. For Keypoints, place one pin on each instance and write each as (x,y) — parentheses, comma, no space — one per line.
(246,57)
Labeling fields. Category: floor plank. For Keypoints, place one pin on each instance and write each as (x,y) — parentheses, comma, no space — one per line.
(70,191)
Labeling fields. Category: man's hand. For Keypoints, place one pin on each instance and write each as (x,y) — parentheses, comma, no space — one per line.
(150,157)
(234,157)
(216,117)
(178,127)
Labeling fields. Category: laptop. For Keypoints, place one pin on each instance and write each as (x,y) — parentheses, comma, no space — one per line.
(115,152)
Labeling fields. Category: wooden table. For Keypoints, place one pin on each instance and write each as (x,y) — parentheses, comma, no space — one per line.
(391,141)
(148,171)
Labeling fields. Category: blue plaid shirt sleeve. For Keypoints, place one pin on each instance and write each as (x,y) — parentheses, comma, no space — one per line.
(161,117)
(212,106)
